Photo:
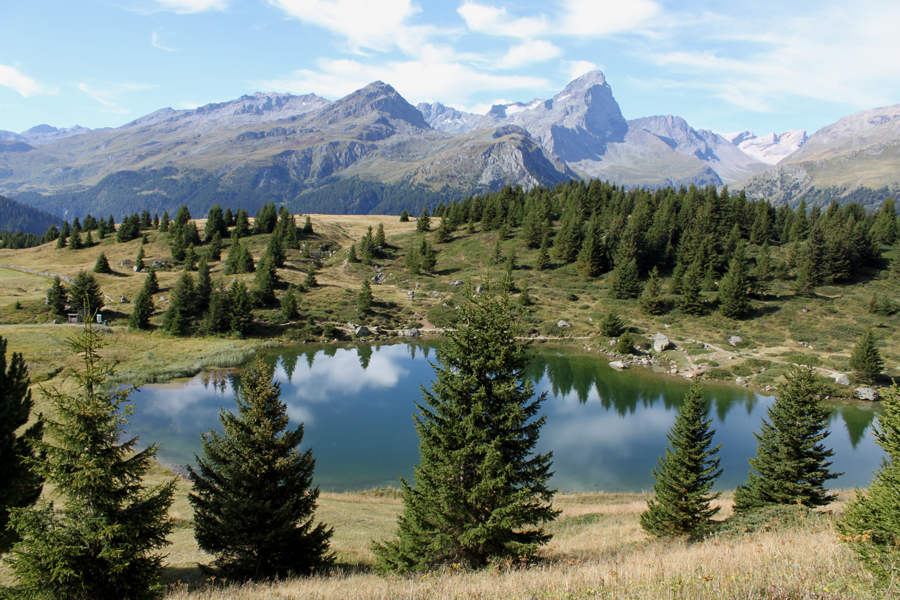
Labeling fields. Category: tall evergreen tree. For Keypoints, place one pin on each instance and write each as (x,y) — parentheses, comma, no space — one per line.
(20,485)
(177,318)
(364,299)
(204,287)
(102,265)
(444,232)
(734,299)
(865,360)
(85,294)
(289,304)
(143,307)
(686,474)
(240,306)
(691,302)
(253,499)
(871,522)
(423,223)
(57,297)
(626,282)
(266,278)
(428,257)
(100,541)
(651,300)
(480,492)
(612,325)
(791,463)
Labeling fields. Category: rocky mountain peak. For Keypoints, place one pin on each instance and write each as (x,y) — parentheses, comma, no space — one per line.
(585,82)
(376,97)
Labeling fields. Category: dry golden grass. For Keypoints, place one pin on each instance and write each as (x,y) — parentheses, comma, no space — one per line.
(598,551)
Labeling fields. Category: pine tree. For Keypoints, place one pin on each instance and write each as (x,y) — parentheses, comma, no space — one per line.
(20,485)
(734,301)
(404,217)
(310,281)
(99,542)
(625,281)
(289,304)
(444,232)
(866,361)
(204,287)
(57,297)
(75,242)
(153,282)
(480,493)
(143,307)
(85,294)
(102,265)
(164,222)
(542,261)
(497,256)
(177,318)
(365,298)
(871,522)
(139,259)
(214,250)
(266,278)
(413,260)
(380,238)
(791,464)
(690,302)
(253,499)
(685,475)
(612,325)
(651,300)
(423,223)
(428,257)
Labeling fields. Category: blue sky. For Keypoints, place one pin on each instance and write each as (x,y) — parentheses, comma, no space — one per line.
(725,65)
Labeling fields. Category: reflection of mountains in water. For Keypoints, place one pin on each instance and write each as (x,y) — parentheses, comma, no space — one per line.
(586,375)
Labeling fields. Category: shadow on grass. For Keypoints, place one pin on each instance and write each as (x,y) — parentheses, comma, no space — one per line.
(193,578)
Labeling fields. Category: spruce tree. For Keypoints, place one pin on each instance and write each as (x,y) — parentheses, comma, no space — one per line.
(100,540)
(266,278)
(404,217)
(542,261)
(253,499)
(177,318)
(57,297)
(423,223)
(428,257)
(685,475)
(691,302)
(612,325)
(651,300)
(480,492)
(20,485)
(203,289)
(380,239)
(102,265)
(413,260)
(625,281)
(444,232)
(85,294)
(143,307)
(240,306)
(307,226)
(871,522)
(866,361)
(139,260)
(289,304)
(791,464)
(734,301)
(364,299)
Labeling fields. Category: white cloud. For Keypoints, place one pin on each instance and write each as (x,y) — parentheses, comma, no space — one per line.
(603,17)
(497,21)
(192,6)
(156,42)
(26,86)
(529,52)
(577,68)
(418,81)
(838,53)
(109,96)
(365,24)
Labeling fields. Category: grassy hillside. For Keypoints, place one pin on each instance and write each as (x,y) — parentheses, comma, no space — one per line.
(782,329)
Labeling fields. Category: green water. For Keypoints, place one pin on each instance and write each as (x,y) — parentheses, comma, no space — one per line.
(605,428)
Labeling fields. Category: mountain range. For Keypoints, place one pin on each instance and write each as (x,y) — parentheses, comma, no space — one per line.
(372,151)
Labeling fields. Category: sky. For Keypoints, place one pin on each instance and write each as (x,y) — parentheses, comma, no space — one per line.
(725,65)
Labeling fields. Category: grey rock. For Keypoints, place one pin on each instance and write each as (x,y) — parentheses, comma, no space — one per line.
(124,300)
(562,324)
(735,340)
(866,393)
(361,331)
(480,289)
(618,365)
(741,381)
(660,343)
(841,379)
(411,333)
(456,283)
(126,262)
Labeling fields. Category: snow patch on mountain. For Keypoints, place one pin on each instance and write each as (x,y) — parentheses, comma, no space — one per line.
(771,148)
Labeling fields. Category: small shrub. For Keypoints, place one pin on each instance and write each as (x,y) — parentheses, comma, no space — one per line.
(742,370)
(625,344)
(719,374)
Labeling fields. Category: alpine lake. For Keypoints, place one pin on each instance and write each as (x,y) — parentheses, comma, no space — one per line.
(606,428)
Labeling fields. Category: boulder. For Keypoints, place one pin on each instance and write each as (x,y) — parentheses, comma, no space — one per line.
(411,333)
(124,300)
(735,340)
(562,324)
(660,343)
(741,381)
(456,283)
(866,393)
(361,331)
(480,289)
(841,379)
(618,365)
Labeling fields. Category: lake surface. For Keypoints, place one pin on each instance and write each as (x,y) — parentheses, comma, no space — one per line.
(606,429)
